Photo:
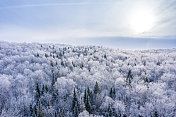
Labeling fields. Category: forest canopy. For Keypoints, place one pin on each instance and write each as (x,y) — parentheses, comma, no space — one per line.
(50,80)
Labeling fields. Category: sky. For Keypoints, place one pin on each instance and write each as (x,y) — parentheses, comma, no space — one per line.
(126,24)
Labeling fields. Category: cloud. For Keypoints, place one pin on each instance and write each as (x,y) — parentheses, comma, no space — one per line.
(66,35)
(46,5)
(58,4)
(83,37)
(99,18)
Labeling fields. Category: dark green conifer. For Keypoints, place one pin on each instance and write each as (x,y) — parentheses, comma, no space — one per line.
(85,96)
(88,104)
(129,78)
(110,111)
(40,114)
(31,110)
(96,88)
(75,106)
(43,90)
(111,93)
(37,92)
(35,111)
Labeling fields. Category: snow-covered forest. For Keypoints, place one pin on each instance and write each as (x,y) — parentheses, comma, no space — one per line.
(47,80)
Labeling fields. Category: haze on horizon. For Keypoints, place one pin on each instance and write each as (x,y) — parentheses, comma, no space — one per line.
(131,24)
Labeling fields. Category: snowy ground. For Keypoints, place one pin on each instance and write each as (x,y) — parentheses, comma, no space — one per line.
(57,80)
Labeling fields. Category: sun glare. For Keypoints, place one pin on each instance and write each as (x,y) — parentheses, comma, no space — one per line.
(142,20)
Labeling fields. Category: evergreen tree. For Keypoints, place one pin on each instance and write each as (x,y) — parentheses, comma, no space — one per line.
(146,80)
(76,110)
(88,104)
(53,80)
(52,65)
(111,93)
(75,106)
(46,55)
(46,88)
(96,88)
(110,111)
(31,110)
(55,114)
(156,114)
(43,90)
(114,93)
(82,105)
(129,78)
(37,92)
(53,90)
(40,114)
(87,99)
(85,96)
(158,63)
(37,54)
(35,111)
(62,63)
(54,95)
(34,115)
(60,115)
(89,92)
(105,56)
(48,105)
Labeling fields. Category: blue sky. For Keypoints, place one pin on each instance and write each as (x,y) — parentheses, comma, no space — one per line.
(90,22)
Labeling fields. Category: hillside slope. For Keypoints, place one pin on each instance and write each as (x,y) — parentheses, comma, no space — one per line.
(58,80)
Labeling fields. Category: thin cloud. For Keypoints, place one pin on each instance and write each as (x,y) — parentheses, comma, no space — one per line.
(46,5)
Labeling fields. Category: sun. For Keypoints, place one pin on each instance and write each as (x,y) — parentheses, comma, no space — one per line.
(142,20)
